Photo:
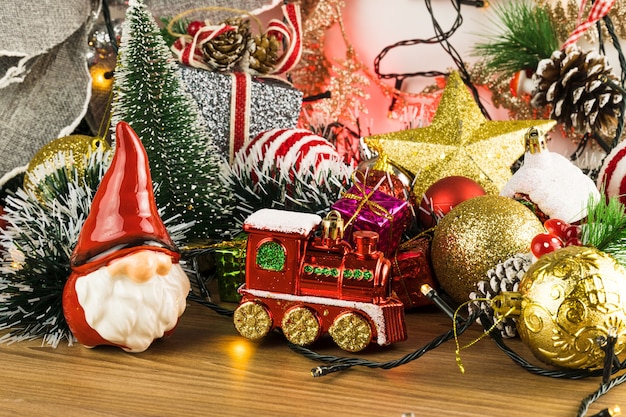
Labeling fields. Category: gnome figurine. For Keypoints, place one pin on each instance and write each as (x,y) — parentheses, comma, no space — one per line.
(126,288)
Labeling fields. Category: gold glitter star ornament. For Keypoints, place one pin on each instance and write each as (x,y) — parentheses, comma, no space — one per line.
(459,141)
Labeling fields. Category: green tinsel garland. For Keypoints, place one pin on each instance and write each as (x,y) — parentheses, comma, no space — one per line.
(306,191)
(43,227)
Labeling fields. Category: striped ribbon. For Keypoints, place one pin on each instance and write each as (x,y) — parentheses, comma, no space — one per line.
(291,34)
(189,50)
(599,9)
(241,95)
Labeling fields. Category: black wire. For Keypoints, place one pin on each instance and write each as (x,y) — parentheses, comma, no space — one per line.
(518,359)
(622,61)
(604,388)
(217,308)
(442,38)
(438,38)
(338,363)
(106,13)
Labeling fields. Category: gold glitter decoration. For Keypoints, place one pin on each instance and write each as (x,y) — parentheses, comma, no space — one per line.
(477,235)
(351,332)
(74,149)
(570,298)
(345,79)
(564,19)
(499,85)
(459,141)
(300,326)
(252,320)
(312,73)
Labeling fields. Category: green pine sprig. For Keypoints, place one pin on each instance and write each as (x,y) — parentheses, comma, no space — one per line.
(605,227)
(527,36)
(179,26)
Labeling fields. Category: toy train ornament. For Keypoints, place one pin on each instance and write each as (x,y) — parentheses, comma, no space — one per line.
(308,285)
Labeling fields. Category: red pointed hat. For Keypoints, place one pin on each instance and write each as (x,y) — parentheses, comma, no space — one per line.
(123,214)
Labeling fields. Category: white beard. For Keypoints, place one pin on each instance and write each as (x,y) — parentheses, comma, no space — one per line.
(132,314)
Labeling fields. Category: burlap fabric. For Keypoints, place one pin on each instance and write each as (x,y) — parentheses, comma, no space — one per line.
(44,80)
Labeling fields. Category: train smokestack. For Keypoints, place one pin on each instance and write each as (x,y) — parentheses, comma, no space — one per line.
(365,242)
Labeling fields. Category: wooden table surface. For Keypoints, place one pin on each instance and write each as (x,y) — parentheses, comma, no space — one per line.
(205,368)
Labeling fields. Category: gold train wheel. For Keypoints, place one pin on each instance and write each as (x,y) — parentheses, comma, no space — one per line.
(252,320)
(351,332)
(301,326)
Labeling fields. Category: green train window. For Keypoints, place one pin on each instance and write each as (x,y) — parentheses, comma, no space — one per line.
(271,256)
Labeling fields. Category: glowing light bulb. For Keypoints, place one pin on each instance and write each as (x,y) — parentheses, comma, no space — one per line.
(101,77)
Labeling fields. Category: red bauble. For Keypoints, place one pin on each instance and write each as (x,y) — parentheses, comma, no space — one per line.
(388,177)
(444,195)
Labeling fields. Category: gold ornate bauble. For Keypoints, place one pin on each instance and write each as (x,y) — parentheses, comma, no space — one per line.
(74,149)
(475,236)
(570,298)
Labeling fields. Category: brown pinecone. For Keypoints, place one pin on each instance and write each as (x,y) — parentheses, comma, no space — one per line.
(223,52)
(263,53)
(504,277)
(571,82)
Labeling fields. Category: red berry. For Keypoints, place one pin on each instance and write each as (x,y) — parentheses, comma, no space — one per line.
(573,231)
(194,27)
(545,243)
(556,226)
(574,241)
(178,44)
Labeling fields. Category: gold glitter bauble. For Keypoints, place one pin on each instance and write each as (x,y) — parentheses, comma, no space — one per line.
(570,298)
(460,141)
(74,149)
(475,236)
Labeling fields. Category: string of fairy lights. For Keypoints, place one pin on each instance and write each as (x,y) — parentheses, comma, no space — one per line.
(327,13)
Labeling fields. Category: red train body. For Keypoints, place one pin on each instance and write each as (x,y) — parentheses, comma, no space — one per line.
(308,285)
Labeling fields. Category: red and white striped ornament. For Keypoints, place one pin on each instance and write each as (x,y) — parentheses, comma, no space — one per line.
(612,175)
(290,151)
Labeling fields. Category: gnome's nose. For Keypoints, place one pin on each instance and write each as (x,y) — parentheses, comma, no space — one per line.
(141,266)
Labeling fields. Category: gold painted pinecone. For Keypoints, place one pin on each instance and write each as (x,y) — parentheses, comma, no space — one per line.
(224,52)
(504,276)
(571,82)
(263,53)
